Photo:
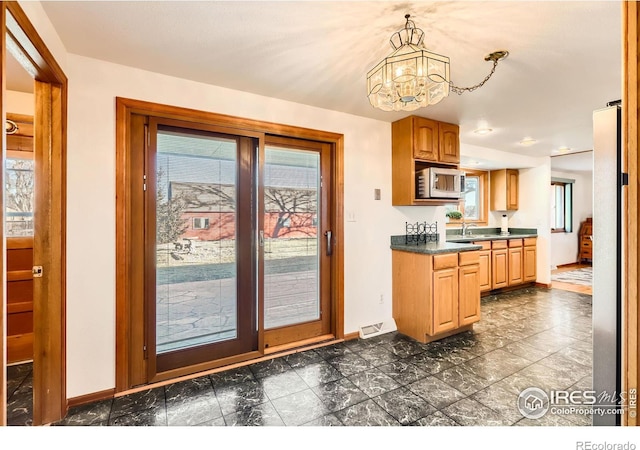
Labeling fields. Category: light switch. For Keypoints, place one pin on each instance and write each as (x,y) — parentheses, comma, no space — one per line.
(376,194)
(351,216)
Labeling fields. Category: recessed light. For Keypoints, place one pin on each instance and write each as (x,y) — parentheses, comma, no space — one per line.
(473,163)
(483,131)
(563,149)
(528,141)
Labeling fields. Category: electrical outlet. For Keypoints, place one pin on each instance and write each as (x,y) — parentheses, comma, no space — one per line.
(381,299)
(376,194)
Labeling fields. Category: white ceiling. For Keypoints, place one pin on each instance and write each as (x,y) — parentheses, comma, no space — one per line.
(573,162)
(564,62)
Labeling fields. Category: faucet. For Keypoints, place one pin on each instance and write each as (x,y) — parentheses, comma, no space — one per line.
(466,226)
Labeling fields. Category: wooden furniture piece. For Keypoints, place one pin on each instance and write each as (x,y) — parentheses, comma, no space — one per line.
(435,296)
(504,190)
(418,143)
(585,241)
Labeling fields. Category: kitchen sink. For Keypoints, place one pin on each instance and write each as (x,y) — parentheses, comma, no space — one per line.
(471,237)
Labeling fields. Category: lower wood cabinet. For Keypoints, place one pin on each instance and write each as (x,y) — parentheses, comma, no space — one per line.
(435,296)
(510,262)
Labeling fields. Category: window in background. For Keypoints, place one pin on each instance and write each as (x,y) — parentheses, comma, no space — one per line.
(474,205)
(19,198)
(561,206)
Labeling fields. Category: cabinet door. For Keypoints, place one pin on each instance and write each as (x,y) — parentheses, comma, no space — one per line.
(484,273)
(499,268)
(425,139)
(515,266)
(529,264)
(469,295)
(512,190)
(449,150)
(445,300)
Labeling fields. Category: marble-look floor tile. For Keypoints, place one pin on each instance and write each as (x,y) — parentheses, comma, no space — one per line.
(331,351)
(436,392)
(240,396)
(302,359)
(526,351)
(152,399)
(463,380)
(218,422)
(378,356)
(402,372)
(550,378)
(349,364)
(548,420)
(437,419)
(428,364)
(282,384)
(373,382)
(191,402)
(501,401)
(405,406)
(339,394)
(233,376)
(270,367)
(468,412)
(90,414)
(330,420)
(578,356)
(318,373)
(301,407)
(156,416)
(496,365)
(366,414)
(262,415)
(406,348)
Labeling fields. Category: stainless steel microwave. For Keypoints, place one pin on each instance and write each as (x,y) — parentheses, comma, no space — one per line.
(439,182)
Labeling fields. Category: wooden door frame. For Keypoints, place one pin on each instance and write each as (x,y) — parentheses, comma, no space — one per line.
(49,305)
(125,287)
(630,210)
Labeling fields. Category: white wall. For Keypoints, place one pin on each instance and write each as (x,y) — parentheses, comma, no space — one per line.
(20,103)
(91,201)
(564,246)
(533,202)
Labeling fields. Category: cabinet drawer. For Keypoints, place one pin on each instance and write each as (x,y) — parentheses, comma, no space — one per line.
(498,244)
(587,243)
(515,242)
(530,242)
(469,258)
(486,245)
(445,261)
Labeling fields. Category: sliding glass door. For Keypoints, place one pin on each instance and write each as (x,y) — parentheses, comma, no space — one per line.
(200,243)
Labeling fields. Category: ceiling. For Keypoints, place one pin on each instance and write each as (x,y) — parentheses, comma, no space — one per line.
(564,62)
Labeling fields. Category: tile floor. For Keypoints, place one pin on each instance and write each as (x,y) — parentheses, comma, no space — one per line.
(529,337)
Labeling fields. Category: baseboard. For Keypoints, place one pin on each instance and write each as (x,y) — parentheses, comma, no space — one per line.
(351,336)
(90,398)
(568,264)
(543,285)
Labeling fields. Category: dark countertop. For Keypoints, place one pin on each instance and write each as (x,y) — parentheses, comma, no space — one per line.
(431,248)
(490,234)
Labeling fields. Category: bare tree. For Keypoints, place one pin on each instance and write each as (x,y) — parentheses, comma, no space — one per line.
(20,186)
(290,203)
(170,224)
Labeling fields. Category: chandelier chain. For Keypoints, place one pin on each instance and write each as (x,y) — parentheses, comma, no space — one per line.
(459,90)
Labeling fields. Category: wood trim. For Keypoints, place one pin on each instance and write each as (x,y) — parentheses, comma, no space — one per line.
(543,285)
(124,109)
(19,275)
(3,257)
(19,242)
(298,344)
(50,123)
(90,398)
(352,336)
(484,216)
(630,211)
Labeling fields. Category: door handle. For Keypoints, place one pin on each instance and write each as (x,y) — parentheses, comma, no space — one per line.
(261,238)
(329,242)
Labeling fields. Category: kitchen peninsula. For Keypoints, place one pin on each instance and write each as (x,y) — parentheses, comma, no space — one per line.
(436,288)
(437,285)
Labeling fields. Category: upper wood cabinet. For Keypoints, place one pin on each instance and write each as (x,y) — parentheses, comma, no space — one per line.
(504,190)
(418,143)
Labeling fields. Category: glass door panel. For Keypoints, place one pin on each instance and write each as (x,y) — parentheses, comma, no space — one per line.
(200,241)
(196,267)
(291,238)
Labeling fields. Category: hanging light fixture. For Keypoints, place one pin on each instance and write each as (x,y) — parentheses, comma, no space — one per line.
(413,77)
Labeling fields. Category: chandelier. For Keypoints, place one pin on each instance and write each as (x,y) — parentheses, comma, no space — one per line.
(413,77)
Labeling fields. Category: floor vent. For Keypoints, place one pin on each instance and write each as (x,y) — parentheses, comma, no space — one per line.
(377,329)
